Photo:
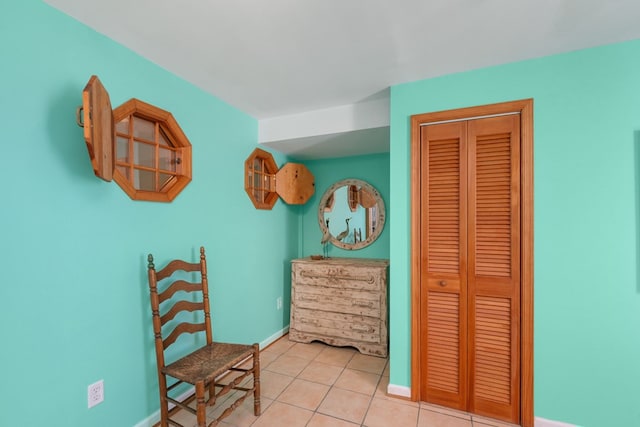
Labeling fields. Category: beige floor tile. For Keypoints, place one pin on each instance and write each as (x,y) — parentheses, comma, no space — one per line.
(381,389)
(288,365)
(185,418)
(486,422)
(358,381)
(304,394)
(321,420)
(306,351)
(266,358)
(384,413)
(243,415)
(279,346)
(445,410)
(336,356)
(381,393)
(272,384)
(281,414)
(344,387)
(321,373)
(428,418)
(363,362)
(345,404)
(228,399)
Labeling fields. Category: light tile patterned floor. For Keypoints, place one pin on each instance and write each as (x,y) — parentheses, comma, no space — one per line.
(316,385)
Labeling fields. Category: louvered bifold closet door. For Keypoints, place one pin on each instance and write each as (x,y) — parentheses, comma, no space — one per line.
(494,266)
(443,265)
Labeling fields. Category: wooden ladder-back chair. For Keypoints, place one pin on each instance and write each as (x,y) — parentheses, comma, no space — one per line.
(206,366)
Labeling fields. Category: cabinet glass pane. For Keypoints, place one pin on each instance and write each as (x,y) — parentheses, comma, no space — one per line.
(122,150)
(167,160)
(144,154)
(163,140)
(257,180)
(144,180)
(164,181)
(258,195)
(123,126)
(144,129)
(257,165)
(124,171)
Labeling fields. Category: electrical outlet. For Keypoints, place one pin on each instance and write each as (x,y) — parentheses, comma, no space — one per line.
(95,393)
(279,303)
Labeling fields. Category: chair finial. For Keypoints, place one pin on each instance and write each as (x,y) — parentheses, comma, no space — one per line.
(150,259)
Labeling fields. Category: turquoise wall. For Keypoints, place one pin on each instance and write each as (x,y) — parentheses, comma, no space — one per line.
(586,223)
(74,298)
(74,294)
(372,168)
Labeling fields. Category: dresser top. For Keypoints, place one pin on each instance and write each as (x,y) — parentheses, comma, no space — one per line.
(343,261)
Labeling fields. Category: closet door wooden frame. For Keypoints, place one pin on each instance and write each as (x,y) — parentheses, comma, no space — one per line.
(525,110)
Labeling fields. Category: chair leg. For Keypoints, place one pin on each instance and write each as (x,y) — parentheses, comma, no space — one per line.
(212,393)
(164,404)
(201,406)
(256,380)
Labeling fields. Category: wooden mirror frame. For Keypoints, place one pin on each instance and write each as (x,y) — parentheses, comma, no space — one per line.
(380,214)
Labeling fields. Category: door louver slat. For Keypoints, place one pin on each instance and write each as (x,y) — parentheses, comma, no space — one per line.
(493,349)
(493,197)
(443,339)
(444,210)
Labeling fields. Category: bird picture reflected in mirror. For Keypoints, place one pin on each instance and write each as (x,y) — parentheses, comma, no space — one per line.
(345,233)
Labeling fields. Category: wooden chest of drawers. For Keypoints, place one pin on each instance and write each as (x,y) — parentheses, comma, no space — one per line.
(340,301)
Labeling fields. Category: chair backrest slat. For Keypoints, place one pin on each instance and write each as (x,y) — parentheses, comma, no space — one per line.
(179,285)
(176,265)
(181,329)
(180,307)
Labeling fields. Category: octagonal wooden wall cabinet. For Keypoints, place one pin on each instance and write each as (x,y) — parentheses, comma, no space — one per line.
(138,145)
(264,183)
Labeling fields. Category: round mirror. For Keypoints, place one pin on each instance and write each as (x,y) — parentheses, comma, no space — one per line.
(351,214)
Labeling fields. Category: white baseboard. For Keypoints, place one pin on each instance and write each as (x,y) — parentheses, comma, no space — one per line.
(541,422)
(273,338)
(155,417)
(399,390)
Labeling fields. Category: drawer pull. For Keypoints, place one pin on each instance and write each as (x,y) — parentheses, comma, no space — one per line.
(366,304)
(308,298)
(309,321)
(442,283)
(361,328)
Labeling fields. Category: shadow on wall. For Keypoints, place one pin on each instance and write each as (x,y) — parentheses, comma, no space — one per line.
(636,157)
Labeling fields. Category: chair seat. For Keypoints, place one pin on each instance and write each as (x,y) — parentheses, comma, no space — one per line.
(208,362)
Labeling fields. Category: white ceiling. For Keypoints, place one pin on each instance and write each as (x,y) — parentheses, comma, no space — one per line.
(273,58)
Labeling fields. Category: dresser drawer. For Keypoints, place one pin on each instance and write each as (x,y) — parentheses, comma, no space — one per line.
(338,277)
(349,301)
(360,328)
